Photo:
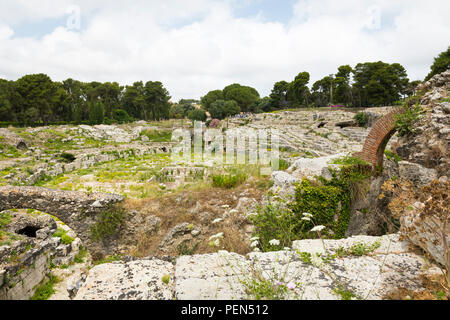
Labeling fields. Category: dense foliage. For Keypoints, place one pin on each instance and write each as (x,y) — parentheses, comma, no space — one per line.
(328,202)
(441,63)
(37,99)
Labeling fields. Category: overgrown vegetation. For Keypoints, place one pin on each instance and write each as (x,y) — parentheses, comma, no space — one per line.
(107,259)
(392,156)
(228,181)
(157,135)
(65,239)
(404,122)
(45,290)
(362,119)
(108,223)
(274,221)
(327,201)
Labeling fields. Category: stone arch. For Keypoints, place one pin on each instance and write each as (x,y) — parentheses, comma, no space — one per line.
(378,138)
(78,210)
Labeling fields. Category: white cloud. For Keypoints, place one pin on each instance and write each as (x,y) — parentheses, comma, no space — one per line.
(197,46)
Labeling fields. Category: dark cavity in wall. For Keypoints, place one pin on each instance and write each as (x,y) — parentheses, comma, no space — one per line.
(29,231)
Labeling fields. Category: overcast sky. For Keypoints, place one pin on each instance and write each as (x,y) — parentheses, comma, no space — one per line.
(194,46)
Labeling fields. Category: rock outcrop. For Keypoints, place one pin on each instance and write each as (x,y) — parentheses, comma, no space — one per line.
(228,276)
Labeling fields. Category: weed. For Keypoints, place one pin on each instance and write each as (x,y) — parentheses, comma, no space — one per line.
(45,290)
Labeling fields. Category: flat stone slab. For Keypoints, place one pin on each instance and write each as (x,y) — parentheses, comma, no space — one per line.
(135,280)
(229,276)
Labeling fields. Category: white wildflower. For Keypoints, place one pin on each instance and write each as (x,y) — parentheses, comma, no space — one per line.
(256,250)
(254,244)
(317,229)
(217,236)
(316,260)
(306,219)
(307,215)
(254,239)
(274,242)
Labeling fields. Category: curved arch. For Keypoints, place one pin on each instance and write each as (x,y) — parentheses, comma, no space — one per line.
(76,209)
(378,138)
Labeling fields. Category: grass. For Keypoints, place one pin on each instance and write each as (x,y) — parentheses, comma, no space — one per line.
(345,294)
(5,219)
(65,239)
(82,254)
(228,181)
(108,223)
(157,135)
(107,259)
(392,155)
(45,290)
(349,161)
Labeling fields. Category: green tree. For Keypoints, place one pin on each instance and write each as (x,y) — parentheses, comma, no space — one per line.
(342,88)
(321,92)
(6,108)
(222,109)
(197,115)
(246,97)
(133,101)
(96,113)
(378,83)
(157,101)
(298,92)
(210,98)
(279,95)
(441,64)
(38,95)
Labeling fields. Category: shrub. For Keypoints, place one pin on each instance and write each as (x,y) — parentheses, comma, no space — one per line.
(404,122)
(362,119)
(324,202)
(228,181)
(121,116)
(197,115)
(274,221)
(215,123)
(108,223)
(329,201)
(392,155)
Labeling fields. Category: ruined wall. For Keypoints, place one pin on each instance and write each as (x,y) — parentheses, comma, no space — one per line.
(78,210)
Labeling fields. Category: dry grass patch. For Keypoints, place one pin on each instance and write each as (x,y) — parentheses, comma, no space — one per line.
(199,208)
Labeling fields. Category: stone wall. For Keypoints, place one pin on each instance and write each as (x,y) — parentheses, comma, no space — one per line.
(76,209)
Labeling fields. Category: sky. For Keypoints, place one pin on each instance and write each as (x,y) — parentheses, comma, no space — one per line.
(196,46)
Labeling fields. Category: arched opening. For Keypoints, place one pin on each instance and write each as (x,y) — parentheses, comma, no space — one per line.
(377,140)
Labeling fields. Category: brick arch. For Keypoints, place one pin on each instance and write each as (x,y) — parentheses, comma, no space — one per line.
(378,138)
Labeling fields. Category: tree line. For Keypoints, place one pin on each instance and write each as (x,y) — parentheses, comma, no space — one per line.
(36,99)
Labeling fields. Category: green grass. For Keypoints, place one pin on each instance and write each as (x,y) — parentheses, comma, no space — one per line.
(45,290)
(107,259)
(157,135)
(345,294)
(108,223)
(228,181)
(391,155)
(65,239)
(349,161)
